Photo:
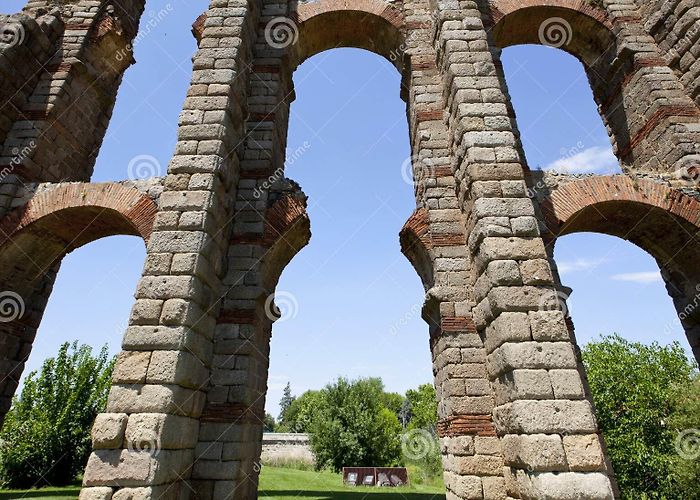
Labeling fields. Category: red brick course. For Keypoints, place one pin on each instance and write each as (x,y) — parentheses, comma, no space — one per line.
(137,209)
(566,201)
(230,413)
(279,218)
(467,425)
(377,7)
(418,225)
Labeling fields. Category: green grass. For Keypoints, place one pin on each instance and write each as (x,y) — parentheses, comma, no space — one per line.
(287,484)
(277,484)
(50,493)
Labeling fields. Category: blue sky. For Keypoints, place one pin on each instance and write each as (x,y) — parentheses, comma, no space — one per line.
(356,299)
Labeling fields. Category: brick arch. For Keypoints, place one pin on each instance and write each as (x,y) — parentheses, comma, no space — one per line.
(33,240)
(125,210)
(662,220)
(501,8)
(565,204)
(519,22)
(373,25)
(36,236)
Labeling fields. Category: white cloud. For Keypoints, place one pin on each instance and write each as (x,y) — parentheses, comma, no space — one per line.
(578,265)
(643,277)
(597,159)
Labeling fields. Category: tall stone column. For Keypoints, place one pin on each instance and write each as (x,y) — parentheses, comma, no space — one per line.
(144,444)
(543,417)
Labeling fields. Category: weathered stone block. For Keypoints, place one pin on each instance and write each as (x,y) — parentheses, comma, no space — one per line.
(108,430)
(540,452)
(584,453)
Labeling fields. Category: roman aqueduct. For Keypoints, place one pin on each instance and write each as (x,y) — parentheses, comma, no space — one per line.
(516,420)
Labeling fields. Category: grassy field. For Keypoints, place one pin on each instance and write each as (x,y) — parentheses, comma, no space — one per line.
(278,484)
(64,493)
(287,484)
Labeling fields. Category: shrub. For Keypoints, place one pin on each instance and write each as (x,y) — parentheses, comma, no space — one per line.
(642,396)
(352,427)
(46,436)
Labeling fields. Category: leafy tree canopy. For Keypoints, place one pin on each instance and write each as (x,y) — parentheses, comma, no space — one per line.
(46,436)
(645,396)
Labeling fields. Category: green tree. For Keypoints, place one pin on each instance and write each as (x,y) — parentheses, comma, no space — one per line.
(639,391)
(269,424)
(352,427)
(286,401)
(46,436)
(685,423)
(301,412)
(423,407)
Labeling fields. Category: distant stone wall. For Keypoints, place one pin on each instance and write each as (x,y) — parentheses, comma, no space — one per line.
(286,447)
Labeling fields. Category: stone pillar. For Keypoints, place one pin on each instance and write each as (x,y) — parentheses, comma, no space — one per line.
(655,123)
(675,25)
(83,48)
(434,240)
(228,452)
(544,419)
(145,442)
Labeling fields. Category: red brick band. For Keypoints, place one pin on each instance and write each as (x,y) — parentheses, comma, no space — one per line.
(418,226)
(430,115)
(230,413)
(137,209)
(279,218)
(198,27)
(458,324)
(237,316)
(467,425)
(659,116)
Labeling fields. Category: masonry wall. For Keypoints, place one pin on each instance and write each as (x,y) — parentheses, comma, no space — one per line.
(185,414)
(675,25)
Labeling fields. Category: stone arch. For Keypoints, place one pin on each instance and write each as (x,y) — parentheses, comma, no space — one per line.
(663,221)
(128,210)
(523,22)
(624,69)
(373,25)
(33,240)
(584,31)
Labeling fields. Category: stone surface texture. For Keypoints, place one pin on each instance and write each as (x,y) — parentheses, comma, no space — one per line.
(184,416)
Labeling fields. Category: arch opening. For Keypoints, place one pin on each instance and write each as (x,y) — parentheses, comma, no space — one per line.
(660,220)
(375,26)
(585,32)
(35,237)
